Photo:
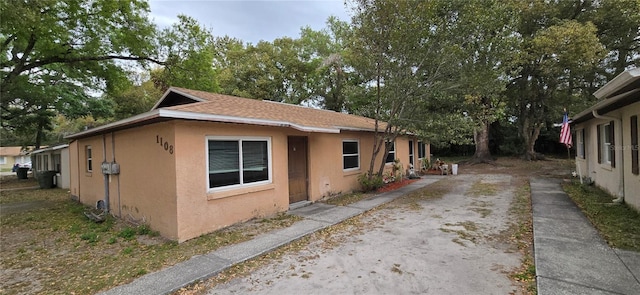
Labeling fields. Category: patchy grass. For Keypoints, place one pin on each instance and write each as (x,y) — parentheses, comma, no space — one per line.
(12,181)
(58,250)
(480,188)
(469,232)
(347,199)
(618,224)
(412,200)
(520,234)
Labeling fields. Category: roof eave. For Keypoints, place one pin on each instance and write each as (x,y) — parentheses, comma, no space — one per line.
(122,123)
(616,83)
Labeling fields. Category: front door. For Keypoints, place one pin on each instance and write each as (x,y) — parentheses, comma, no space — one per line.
(297,169)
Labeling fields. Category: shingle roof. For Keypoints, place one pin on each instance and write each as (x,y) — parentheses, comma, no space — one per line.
(11,151)
(187,104)
(232,106)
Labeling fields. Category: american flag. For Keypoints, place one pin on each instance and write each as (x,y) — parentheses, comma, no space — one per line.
(565,132)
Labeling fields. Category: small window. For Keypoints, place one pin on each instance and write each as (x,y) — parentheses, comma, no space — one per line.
(3,160)
(392,152)
(421,150)
(350,155)
(89,158)
(411,152)
(606,145)
(237,162)
(580,140)
(45,162)
(56,162)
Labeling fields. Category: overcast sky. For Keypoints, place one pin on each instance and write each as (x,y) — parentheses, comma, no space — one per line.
(251,20)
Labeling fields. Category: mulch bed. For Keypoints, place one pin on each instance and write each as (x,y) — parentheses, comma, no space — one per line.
(395,185)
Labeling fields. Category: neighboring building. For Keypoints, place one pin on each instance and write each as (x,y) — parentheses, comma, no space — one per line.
(199,161)
(607,138)
(10,155)
(55,158)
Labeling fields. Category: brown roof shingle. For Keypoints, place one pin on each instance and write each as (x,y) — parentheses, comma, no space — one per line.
(232,106)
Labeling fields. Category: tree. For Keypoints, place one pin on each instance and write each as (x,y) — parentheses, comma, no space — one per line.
(189,53)
(485,29)
(554,64)
(401,52)
(56,53)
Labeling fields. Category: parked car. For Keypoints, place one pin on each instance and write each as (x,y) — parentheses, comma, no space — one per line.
(25,165)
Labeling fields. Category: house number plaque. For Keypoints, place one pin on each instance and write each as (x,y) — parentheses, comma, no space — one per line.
(167,147)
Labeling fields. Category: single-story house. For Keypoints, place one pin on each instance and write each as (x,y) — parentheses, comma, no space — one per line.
(11,155)
(607,139)
(54,158)
(199,161)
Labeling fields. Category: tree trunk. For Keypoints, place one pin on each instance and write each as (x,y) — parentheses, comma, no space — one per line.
(481,138)
(530,138)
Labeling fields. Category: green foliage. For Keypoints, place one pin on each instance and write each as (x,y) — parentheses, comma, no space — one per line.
(370,182)
(56,54)
(128,233)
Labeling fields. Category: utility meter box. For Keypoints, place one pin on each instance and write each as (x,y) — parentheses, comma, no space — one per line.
(110,168)
(105,167)
(115,168)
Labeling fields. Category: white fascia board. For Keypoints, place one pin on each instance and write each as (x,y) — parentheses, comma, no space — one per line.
(240,120)
(604,103)
(616,83)
(124,122)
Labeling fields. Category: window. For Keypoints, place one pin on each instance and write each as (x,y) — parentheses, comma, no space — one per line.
(234,162)
(392,152)
(350,155)
(606,149)
(580,140)
(411,152)
(45,162)
(421,150)
(56,162)
(635,164)
(89,158)
(3,160)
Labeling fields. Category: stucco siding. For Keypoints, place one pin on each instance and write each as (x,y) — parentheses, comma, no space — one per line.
(201,210)
(618,180)
(631,181)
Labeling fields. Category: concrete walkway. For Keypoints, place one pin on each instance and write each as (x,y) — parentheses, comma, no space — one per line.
(570,255)
(317,216)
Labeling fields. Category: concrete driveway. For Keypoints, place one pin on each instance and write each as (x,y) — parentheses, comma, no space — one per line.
(451,245)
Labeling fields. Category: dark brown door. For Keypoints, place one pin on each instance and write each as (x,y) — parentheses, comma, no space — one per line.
(297,169)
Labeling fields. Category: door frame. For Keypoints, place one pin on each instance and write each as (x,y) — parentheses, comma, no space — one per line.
(306,165)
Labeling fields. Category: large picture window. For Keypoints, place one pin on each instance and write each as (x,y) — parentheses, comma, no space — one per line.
(238,161)
(350,155)
(392,152)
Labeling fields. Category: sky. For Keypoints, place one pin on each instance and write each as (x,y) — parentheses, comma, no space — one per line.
(251,20)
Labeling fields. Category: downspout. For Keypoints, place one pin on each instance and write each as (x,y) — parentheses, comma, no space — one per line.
(620,198)
(106,176)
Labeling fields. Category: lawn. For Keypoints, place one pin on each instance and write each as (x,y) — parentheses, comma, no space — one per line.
(54,249)
(618,224)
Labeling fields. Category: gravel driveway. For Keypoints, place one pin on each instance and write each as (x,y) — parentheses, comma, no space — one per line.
(450,245)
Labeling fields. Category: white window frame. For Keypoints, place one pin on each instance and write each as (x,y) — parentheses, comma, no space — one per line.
(580,148)
(392,151)
(412,151)
(606,144)
(239,139)
(351,155)
(3,160)
(88,152)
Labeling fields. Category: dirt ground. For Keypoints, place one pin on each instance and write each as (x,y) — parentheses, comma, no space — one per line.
(457,244)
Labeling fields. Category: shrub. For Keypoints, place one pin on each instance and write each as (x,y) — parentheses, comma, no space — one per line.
(370,183)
